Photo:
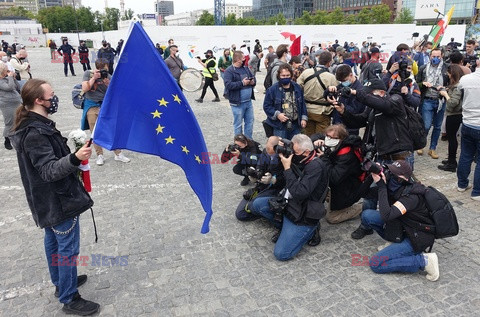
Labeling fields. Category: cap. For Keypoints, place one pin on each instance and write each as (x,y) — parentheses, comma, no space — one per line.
(340,49)
(104,41)
(374,84)
(400,168)
(374,50)
(208,52)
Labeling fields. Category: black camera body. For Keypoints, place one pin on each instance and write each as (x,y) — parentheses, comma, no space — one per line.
(103,73)
(402,68)
(344,91)
(286,149)
(368,164)
(233,147)
(255,172)
(278,205)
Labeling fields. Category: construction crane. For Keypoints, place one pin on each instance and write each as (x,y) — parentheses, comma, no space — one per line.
(219,12)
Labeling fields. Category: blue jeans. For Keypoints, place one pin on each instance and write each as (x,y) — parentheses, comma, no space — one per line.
(285,134)
(292,237)
(430,115)
(62,252)
(397,257)
(470,144)
(243,112)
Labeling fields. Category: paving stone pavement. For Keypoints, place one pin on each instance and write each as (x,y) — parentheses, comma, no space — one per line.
(146,211)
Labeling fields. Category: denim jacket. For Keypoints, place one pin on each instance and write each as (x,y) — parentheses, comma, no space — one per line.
(233,84)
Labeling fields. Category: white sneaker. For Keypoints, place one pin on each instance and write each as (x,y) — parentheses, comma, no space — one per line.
(383,246)
(122,158)
(464,189)
(477,198)
(255,90)
(100,160)
(432,269)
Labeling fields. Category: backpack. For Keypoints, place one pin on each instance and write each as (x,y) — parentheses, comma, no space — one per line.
(442,213)
(267,83)
(416,128)
(77,96)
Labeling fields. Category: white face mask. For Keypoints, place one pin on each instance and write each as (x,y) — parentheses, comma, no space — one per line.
(289,57)
(5,59)
(331,142)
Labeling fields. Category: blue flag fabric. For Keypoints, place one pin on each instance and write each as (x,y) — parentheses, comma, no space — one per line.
(145,111)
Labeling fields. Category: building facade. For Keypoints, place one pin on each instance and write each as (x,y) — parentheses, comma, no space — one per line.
(236,9)
(291,9)
(424,14)
(352,6)
(185,18)
(163,9)
(35,5)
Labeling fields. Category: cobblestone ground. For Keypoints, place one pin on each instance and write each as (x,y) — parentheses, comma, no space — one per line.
(146,210)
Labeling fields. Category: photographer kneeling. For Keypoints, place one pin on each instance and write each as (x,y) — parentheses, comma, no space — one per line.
(401,202)
(301,206)
(246,152)
(341,154)
(268,175)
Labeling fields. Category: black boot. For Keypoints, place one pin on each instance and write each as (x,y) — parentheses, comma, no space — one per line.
(316,239)
(361,232)
(276,235)
(245,181)
(7,144)
(80,306)
(81,279)
(449,167)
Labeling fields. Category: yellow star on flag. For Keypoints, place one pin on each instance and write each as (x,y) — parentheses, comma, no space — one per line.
(177,99)
(169,139)
(156,114)
(184,149)
(197,158)
(162,102)
(159,129)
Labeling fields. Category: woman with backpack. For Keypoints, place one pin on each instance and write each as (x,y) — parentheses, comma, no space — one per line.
(453,111)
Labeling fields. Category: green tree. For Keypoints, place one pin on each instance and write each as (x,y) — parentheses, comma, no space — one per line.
(381,14)
(336,16)
(128,15)
(277,19)
(364,17)
(206,19)
(231,19)
(17,12)
(86,20)
(305,19)
(405,16)
(112,16)
(350,19)
(320,17)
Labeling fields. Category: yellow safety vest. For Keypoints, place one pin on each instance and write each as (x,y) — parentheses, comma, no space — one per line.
(206,72)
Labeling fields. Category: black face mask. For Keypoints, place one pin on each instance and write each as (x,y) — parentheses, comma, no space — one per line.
(104,45)
(53,105)
(296,159)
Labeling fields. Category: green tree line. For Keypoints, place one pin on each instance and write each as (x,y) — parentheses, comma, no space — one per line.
(379,14)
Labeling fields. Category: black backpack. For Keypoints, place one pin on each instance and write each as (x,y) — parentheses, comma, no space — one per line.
(267,83)
(416,128)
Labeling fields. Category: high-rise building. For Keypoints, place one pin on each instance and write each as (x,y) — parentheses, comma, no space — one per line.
(423,11)
(291,9)
(353,6)
(164,8)
(236,9)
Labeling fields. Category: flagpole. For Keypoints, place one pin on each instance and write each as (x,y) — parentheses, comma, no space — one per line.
(425,38)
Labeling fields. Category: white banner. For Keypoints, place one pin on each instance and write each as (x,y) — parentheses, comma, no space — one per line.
(424,9)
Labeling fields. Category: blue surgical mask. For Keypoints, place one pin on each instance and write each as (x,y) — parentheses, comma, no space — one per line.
(285,81)
(436,60)
(346,83)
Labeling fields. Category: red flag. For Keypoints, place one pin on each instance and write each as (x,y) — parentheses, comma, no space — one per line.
(295,49)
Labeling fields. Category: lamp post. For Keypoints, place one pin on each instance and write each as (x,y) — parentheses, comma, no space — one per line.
(76,21)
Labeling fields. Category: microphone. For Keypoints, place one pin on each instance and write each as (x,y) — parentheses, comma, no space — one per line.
(436,11)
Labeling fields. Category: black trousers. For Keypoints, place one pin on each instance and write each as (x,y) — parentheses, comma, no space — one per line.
(209,83)
(452,123)
(110,68)
(86,66)
(65,68)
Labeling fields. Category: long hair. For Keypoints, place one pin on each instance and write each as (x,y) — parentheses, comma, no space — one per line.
(30,92)
(456,73)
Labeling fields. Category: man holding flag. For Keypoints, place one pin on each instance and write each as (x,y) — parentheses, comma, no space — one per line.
(153,116)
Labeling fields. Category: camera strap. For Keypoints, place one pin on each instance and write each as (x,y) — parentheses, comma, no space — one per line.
(317,74)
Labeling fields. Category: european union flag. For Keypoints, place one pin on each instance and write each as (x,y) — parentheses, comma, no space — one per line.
(145,111)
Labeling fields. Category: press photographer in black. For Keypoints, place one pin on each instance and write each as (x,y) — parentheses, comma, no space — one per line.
(268,178)
(300,206)
(342,94)
(246,151)
(342,156)
(400,80)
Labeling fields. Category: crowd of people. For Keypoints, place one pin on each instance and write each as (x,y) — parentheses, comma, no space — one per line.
(338,144)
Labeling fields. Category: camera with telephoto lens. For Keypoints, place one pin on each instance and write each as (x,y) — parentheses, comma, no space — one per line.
(344,91)
(402,68)
(368,164)
(289,125)
(322,148)
(103,73)
(233,147)
(255,172)
(278,205)
(286,149)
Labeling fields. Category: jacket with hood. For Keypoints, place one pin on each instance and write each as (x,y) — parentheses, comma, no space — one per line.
(49,172)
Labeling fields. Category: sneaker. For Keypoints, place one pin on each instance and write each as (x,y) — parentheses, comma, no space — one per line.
(122,158)
(276,235)
(433,154)
(80,306)
(420,152)
(449,167)
(444,137)
(255,90)
(81,279)
(476,198)
(100,160)
(7,144)
(245,181)
(464,189)
(199,100)
(316,238)
(216,100)
(433,272)
(383,246)
(361,232)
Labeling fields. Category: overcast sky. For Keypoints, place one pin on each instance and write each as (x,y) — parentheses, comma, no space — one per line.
(147,6)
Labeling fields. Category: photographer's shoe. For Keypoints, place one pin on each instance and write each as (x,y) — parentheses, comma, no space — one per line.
(420,152)
(432,269)
(449,167)
(216,100)
(81,279)
(245,181)
(199,100)
(276,235)
(433,154)
(80,306)
(361,232)
(7,144)
(316,239)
